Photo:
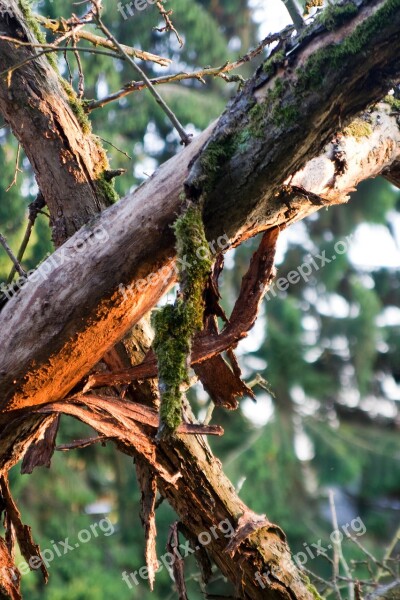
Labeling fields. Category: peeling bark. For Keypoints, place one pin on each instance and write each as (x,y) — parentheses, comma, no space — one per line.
(148,487)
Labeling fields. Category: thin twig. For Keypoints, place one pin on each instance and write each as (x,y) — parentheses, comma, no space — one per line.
(168,23)
(17,169)
(48,49)
(81,80)
(116,147)
(376,562)
(336,546)
(389,550)
(185,138)
(70,74)
(10,253)
(326,583)
(209,414)
(199,75)
(34,209)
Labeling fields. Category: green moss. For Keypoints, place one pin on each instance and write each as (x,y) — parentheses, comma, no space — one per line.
(273,62)
(310,587)
(335,16)
(393,102)
(358,129)
(172,347)
(191,244)
(107,188)
(272,107)
(335,57)
(256,116)
(175,325)
(286,115)
(217,153)
(214,157)
(26,9)
(77,107)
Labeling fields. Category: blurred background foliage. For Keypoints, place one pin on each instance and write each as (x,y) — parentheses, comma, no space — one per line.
(328,416)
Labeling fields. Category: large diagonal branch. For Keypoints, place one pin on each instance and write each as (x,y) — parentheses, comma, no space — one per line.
(248,155)
(132,241)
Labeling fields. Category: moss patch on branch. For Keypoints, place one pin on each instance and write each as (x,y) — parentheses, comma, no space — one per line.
(283,114)
(216,154)
(273,62)
(175,325)
(310,587)
(319,66)
(335,57)
(26,9)
(335,16)
(77,107)
(107,188)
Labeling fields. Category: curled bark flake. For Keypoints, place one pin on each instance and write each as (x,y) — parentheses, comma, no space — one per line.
(148,487)
(248,524)
(10,576)
(39,453)
(23,532)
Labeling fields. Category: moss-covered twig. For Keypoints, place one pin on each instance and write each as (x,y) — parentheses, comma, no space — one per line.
(175,325)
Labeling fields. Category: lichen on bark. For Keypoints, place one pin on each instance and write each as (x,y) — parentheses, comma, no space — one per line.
(175,325)
(358,129)
(393,102)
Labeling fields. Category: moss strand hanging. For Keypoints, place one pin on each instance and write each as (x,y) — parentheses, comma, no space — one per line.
(175,325)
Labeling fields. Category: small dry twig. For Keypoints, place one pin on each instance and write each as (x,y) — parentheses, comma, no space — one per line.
(34,209)
(61,26)
(17,169)
(185,138)
(199,75)
(11,255)
(166,14)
